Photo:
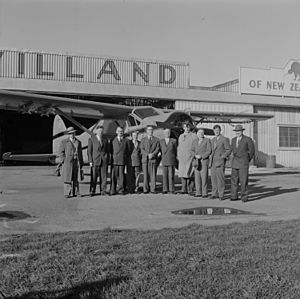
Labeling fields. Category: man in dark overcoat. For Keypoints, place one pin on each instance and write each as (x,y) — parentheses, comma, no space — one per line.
(70,154)
(119,153)
(98,155)
(134,163)
(168,147)
(243,151)
(220,152)
(149,149)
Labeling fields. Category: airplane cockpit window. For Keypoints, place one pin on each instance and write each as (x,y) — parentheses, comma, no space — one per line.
(131,120)
(144,112)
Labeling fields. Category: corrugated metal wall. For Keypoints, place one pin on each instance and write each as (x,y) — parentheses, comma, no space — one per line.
(267,136)
(227,129)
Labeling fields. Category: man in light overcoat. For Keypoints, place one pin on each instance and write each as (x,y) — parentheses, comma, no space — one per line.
(243,151)
(220,152)
(70,154)
(168,147)
(149,149)
(98,155)
(201,150)
(185,158)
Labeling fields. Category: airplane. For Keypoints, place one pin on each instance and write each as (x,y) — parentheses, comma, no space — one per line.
(111,115)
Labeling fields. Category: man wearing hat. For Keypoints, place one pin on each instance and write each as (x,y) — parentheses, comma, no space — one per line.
(70,153)
(243,151)
(98,153)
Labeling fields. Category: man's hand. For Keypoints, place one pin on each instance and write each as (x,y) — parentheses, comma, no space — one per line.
(150,156)
(198,157)
(91,164)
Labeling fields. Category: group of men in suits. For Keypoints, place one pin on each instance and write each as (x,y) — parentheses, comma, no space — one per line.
(213,154)
(194,154)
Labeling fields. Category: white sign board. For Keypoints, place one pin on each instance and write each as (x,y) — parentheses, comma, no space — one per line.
(274,81)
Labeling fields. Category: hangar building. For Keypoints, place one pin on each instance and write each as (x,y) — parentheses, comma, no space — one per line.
(163,84)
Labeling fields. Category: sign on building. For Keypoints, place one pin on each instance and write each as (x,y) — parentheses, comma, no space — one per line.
(92,69)
(274,81)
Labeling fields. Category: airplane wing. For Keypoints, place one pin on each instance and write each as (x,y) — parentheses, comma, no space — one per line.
(227,117)
(25,102)
(51,158)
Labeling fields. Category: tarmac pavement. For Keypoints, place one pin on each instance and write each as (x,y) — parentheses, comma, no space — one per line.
(31,200)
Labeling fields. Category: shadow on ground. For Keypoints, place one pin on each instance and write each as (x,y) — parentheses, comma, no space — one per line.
(86,290)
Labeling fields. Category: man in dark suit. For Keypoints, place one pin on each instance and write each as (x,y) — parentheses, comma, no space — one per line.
(201,150)
(220,151)
(168,148)
(70,154)
(119,152)
(149,149)
(243,151)
(134,163)
(98,153)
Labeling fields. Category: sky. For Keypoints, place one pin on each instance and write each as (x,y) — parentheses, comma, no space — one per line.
(215,37)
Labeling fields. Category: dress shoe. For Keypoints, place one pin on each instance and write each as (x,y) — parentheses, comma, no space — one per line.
(221,198)
(244,199)
(191,194)
(68,196)
(172,192)
(103,193)
(165,192)
(112,193)
(213,197)
(182,192)
(198,195)
(204,196)
(153,192)
(92,194)
(233,199)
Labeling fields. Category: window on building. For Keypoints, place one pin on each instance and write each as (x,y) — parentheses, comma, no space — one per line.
(289,136)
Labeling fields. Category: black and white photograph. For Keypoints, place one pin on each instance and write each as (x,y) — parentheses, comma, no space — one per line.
(150,149)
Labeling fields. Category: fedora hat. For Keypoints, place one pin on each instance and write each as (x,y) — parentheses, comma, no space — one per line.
(238,128)
(70,130)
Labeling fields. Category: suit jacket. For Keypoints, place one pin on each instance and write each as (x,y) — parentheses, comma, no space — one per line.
(204,149)
(119,151)
(67,150)
(148,147)
(135,156)
(168,152)
(242,154)
(98,153)
(220,151)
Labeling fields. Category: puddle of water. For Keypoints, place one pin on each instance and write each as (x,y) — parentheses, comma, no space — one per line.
(212,211)
(13,215)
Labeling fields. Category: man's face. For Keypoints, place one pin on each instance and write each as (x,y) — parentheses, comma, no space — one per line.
(72,135)
(134,136)
(99,131)
(217,131)
(200,133)
(186,128)
(149,131)
(239,133)
(167,133)
(120,132)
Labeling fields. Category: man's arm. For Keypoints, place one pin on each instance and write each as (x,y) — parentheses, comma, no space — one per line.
(61,152)
(208,150)
(227,148)
(251,148)
(90,151)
